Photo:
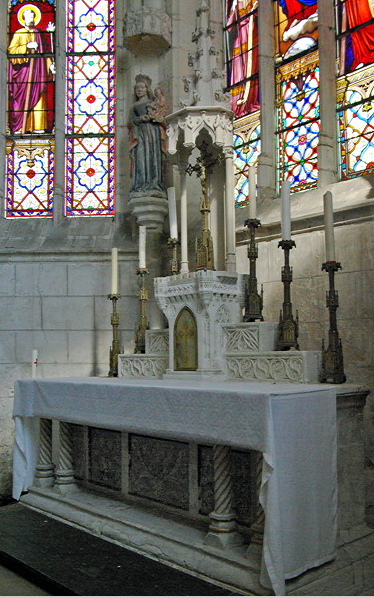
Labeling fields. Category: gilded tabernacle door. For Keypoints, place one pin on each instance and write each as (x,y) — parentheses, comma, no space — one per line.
(185,341)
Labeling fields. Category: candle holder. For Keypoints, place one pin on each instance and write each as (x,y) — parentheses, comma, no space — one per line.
(253,302)
(114,350)
(143,325)
(332,357)
(288,326)
(174,258)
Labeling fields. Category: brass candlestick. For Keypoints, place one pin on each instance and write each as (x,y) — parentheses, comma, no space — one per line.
(253,302)
(114,350)
(143,325)
(288,326)
(332,357)
(174,257)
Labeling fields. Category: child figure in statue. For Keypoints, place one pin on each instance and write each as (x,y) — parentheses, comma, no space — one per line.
(147,139)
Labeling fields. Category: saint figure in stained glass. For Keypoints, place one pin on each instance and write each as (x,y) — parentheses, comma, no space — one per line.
(29,73)
(298,30)
(147,139)
(242,35)
(358,46)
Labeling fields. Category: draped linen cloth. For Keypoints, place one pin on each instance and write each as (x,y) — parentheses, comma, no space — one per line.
(293,425)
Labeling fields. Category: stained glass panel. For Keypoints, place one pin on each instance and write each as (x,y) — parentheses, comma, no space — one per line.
(241,35)
(30,122)
(247,147)
(90,108)
(296,28)
(355,89)
(90,176)
(299,130)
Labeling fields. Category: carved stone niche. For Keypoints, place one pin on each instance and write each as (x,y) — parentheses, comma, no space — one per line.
(147,32)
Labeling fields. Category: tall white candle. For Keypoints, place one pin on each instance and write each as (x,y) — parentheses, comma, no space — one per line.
(142,245)
(114,271)
(252,192)
(286,212)
(329,227)
(172,213)
(34,363)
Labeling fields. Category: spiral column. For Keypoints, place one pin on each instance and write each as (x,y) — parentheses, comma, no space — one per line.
(45,469)
(258,525)
(222,528)
(65,481)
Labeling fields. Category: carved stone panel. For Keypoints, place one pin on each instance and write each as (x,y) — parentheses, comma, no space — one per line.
(104,458)
(79,451)
(243,485)
(159,470)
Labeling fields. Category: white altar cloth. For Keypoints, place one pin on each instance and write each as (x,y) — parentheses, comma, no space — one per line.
(293,425)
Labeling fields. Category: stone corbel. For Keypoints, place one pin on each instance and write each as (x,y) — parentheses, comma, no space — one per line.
(147,32)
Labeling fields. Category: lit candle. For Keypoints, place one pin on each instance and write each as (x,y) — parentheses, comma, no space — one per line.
(329,227)
(252,192)
(172,213)
(286,212)
(34,363)
(114,271)
(142,243)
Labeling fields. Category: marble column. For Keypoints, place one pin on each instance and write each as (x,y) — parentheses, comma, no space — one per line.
(183,219)
(258,525)
(327,144)
(222,528)
(65,481)
(230,211)
(45,469)
(267,160)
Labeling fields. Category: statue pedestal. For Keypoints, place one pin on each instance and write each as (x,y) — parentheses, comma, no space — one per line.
(149,209)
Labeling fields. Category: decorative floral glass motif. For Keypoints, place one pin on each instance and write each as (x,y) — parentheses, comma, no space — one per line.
(247,147)
(241,35)
(297,76)
(90,108)
(30,123)
(355,87)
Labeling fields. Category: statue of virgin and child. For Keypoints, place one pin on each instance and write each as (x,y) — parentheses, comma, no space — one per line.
(147,139)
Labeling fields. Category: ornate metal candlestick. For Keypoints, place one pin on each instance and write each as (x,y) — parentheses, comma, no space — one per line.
(143,325)
(288,326)
(174,258)
(332,357)
(253,302)
(114,350)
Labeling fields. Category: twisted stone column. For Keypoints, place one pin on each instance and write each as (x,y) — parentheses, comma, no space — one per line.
(258,525)
(44,472)
(222,527)
(65,473)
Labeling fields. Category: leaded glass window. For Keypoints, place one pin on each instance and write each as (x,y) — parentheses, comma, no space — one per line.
(297,90)
(355,86)
(241,44)
(90,108)
(30,116)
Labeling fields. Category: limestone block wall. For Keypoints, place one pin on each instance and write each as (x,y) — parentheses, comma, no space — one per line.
(57,303)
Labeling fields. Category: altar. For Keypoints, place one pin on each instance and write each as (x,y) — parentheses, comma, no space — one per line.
(293,426)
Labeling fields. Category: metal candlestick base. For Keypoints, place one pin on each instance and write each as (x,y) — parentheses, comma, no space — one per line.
(114,350)
(332,357)
(174,257)
(288,326)
(253,302)
(143,325)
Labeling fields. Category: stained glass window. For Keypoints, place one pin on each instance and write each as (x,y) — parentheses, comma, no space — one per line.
(90,108)
(355,86)
(247,147)
(30,116)
(241,44)
(297,77)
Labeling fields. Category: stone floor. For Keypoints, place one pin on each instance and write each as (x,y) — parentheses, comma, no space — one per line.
(12,584)
(64,560)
